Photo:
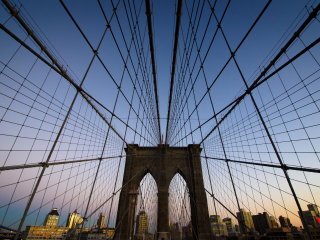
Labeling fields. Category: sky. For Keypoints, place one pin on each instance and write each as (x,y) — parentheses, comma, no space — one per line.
(85,132)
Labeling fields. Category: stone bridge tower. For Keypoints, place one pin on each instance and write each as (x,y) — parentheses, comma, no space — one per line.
(163,162)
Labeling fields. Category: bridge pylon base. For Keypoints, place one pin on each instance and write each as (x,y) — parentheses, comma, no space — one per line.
(163,162)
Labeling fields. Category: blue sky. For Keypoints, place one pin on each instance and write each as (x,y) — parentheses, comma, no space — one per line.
(67,44)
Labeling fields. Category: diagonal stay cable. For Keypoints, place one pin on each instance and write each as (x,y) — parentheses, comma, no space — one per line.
(257,82)
(174,58)
(212,195)
(102,63)
(108,199)
(84,94)
(60,70)
(148,13)
(236,102)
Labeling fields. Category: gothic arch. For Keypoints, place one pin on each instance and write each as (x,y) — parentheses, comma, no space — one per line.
(163,162)
(179,200)
(147,201)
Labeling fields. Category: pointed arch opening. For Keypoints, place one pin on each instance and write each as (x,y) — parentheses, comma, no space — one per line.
(179,208)
(146,209)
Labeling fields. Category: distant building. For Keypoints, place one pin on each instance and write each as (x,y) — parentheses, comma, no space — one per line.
(261,222)
(142,224)
(273,222)
(311,218)
(313,207)
(51,218)
(219,229)
(215,219)
(49,230)
(73,219)
(287,234)
(247,218)
(289,222)
(285,222)
(42,232)
(98,234)
(175,231)
(230,224)
(187,232)
(101,221)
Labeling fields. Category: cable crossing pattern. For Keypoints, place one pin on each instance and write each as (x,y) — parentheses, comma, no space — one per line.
(82,85)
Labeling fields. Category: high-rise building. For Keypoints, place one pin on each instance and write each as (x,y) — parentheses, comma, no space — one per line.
(73,219)
(247,218)
(230,224)
(142,223)
(261,222)
(311,218)
(175,231)
(219,229)
(101,221)
(273,222)
(187,232)
(51,218)
(217,226)
(215,219)
(285,222)
(49,230)
(313,207)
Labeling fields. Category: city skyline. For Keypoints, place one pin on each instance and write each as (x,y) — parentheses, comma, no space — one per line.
(81,85)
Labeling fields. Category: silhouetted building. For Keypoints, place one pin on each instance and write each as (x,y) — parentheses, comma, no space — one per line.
(285,222)
(237,228)
(261,222)
(311,218)
(187,232)
(215,219)
(313,207)
(175,231)
(288,234)
(74,219)
(273,222)
(219,229)
(101,220)
(230,224)
(217,226)
(97,234)
(247,219)
(289,222)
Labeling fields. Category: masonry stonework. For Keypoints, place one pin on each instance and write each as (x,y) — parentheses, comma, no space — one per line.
(163,162)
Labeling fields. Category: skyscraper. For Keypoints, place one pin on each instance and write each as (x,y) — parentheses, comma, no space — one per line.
(217,226)
(285,222)
(311,218)
(230,224)
(101,221)
(49,230)
(247,218)
(261,222)
(51,218)
(313,207)
(73,219)
(142,223)
(215,219)
(273,222)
